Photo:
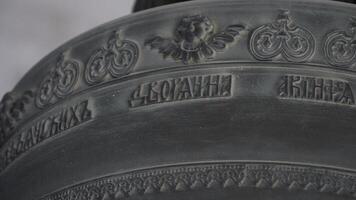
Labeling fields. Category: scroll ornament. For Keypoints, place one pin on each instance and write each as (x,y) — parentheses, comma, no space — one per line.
(282,40)
(340,46)
(59,83)
(12,111)
(114,60)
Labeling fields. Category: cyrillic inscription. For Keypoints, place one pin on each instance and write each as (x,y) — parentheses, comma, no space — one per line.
(182,88)
(44,129)
(313,88)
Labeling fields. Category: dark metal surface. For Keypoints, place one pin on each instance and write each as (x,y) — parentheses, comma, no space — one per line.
(147,4)
(216,99)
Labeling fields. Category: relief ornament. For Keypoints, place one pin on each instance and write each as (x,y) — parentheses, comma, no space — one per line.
(282,40)
(194,40)
(340,46)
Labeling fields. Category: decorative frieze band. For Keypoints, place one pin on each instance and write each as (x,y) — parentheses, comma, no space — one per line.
(237,175)
(193,39)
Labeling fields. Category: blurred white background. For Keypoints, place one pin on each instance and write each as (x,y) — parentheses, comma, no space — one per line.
(30,29)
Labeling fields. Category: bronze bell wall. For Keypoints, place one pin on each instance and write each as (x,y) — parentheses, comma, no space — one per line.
(204,99)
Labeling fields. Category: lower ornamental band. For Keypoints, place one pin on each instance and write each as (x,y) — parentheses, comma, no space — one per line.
(290,177)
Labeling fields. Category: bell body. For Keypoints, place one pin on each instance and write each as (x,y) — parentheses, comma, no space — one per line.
(215,99)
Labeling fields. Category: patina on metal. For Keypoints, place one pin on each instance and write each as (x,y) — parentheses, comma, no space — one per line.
(215,99)
(147,4)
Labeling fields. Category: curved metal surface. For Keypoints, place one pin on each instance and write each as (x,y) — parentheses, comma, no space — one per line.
(192,97)
(147,4)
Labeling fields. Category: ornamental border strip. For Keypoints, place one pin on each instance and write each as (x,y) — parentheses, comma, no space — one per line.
(177,178)
(119,56)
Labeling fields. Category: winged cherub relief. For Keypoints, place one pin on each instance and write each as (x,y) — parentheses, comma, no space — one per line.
(194,40)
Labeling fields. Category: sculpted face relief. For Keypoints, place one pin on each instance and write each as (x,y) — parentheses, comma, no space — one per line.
(195,40)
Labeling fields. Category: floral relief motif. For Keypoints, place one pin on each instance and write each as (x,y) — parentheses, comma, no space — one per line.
(282,40)
(116,59)
(195,40)
(340,46)
(11,112)
(211,176)
(59,83)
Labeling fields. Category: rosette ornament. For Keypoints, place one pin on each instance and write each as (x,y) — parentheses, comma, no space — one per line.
(282,40)
(194,40)
(340,46)
(12,110)
(59,83)
(116,59)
